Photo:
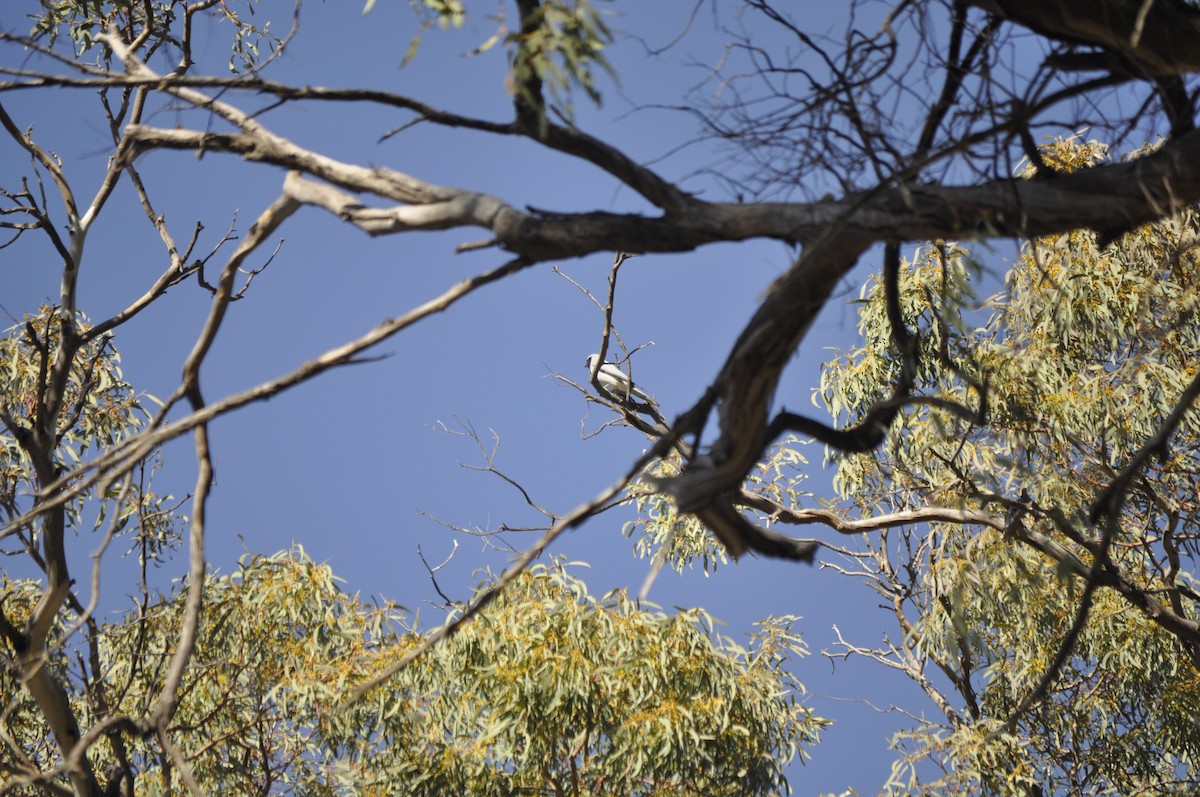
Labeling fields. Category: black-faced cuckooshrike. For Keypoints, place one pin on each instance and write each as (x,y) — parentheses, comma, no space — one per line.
(614,380)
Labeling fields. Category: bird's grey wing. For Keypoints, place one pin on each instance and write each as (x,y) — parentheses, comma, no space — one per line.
(635,391)
(613,378)
(641,395)
(615,381)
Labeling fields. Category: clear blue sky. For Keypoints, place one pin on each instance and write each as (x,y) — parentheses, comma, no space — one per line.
(352,465)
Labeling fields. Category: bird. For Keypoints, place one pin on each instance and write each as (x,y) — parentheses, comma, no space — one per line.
(615,382)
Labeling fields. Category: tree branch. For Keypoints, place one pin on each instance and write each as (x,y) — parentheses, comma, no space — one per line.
(263,227)
(1160,35)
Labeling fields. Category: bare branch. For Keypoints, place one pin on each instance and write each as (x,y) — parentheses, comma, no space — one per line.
(263,228)
(569,521)
(116,461)
(847,526)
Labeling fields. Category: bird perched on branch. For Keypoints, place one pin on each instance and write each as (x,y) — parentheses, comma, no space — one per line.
(615,382)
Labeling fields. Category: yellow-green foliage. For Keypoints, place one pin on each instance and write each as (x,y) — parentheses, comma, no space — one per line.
(1084,354)
(99,410)
(661,530)
(83,20)
(549,688)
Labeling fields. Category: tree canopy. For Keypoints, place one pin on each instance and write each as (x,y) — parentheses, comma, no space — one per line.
(1083,354)
(552,690)
(1015,475)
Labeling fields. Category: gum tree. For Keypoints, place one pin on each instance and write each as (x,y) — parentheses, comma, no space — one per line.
(1040,561)
(904,125)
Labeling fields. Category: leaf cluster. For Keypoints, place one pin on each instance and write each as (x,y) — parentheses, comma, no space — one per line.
(550,691)
(560,46)
(153,24)
(1085,353)
(98,410)
(661,530)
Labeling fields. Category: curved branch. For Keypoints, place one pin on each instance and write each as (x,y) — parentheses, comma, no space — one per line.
(275,214)
(1161,35)
(117,460)
(1158,184)
(572,519)
(848,526)
(738,534)
(1110,198)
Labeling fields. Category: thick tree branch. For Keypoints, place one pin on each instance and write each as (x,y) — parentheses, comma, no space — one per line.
(1160,35)
(1109,198)
(568,140)
(747,381)
(738,534)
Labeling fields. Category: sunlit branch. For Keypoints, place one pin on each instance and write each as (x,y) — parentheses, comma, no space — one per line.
(852,527)
(263,228)
(1108,502)
(567,522)
(117,460)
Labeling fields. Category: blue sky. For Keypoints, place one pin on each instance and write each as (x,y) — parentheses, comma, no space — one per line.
(352,465)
